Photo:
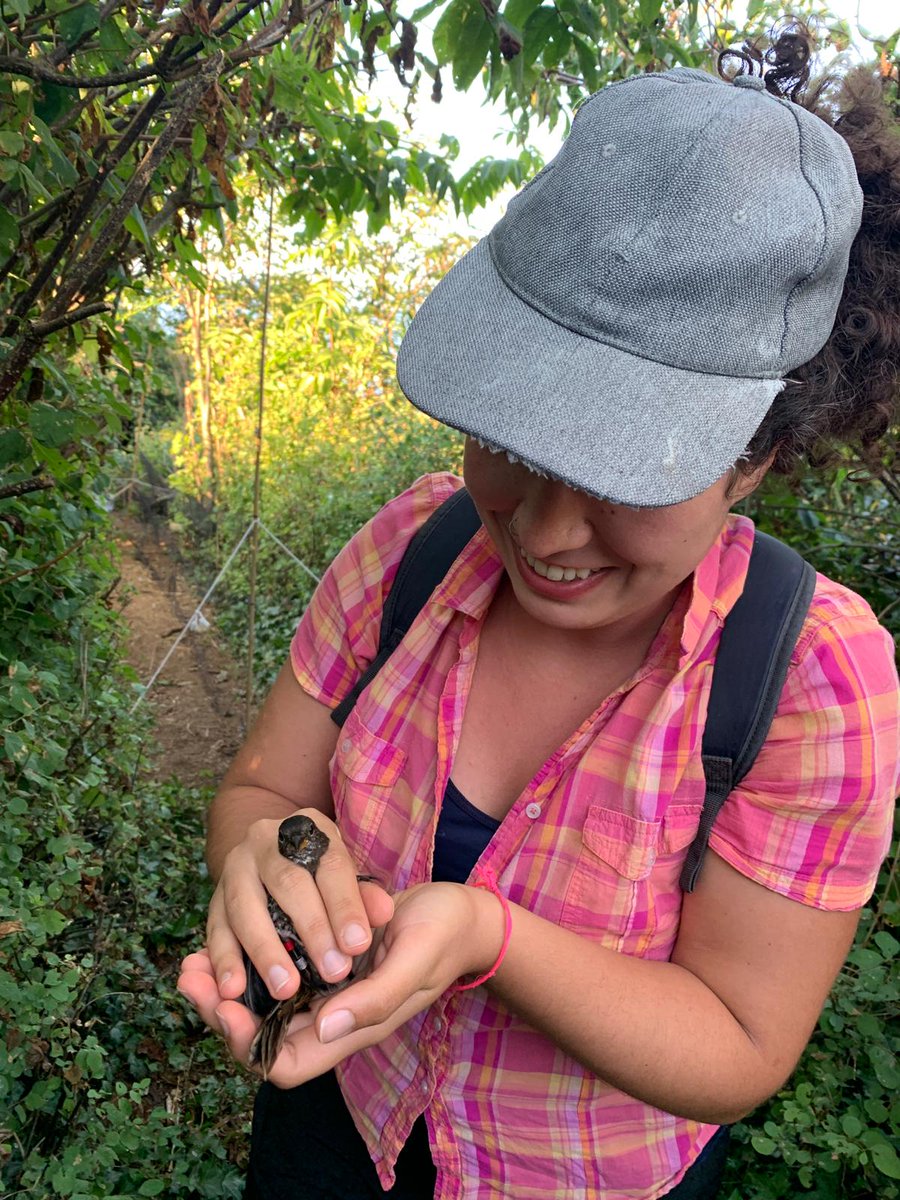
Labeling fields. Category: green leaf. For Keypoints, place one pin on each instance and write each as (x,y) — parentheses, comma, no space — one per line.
(32,183)
(865,959)
(50,920)
(134,223)
(885,1159)
(884,1063)
(588,62)
(152,1187)
(763,1145)
(78,21)
(11,142)
(425,10)
(13,447)
(52,426)
(475,41)
(869,1025)
(198,143)
(582,16)
(517,12)
(447,31)
(852,1126)
(545,28)
(649,10)
(112,39)
(52,102)
(876,1110)
(64,169)
(14,746)
(886,943)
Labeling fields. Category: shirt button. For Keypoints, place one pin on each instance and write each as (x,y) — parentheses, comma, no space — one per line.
(346,745)
(426,1087)
(533,810)
(438,1024)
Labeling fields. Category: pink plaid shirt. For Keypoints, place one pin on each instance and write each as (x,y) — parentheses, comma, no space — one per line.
(594,843)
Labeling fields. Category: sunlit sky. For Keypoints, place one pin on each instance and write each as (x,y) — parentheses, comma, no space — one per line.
(481,129)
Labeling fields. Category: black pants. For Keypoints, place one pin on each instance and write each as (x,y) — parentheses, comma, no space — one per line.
(304,1146)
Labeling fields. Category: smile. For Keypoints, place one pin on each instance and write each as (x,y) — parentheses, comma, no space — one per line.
(557,574)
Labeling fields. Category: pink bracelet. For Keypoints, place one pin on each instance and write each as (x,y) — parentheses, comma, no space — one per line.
(488,881)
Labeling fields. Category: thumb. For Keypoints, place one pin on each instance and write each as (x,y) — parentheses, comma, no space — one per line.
(401,985)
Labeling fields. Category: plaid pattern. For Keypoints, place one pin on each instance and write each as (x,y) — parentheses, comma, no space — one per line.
(595,843)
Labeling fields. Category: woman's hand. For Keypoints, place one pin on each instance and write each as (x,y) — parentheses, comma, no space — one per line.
(333,914)
(439,932)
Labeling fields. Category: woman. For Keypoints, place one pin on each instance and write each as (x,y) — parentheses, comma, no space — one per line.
(572,1024)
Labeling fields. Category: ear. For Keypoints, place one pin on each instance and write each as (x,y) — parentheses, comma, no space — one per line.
(745,483)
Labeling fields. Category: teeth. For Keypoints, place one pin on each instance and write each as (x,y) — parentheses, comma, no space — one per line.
(554,573)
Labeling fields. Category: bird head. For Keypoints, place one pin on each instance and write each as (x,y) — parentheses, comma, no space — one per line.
(301,841)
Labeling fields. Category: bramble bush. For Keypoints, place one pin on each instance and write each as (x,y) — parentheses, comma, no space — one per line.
(108,1087)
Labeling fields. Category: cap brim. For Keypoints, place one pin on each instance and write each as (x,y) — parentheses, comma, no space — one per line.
(610,423)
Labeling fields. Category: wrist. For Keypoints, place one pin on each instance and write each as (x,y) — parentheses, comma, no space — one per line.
(491,927)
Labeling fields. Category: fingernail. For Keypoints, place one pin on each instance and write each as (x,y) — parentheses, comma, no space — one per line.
(336,1025)
(278,977)
(224,979)
(223,1023)
(334,961)
(355,935)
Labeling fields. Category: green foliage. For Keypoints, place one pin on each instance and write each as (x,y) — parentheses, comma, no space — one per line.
(339,439)
(105,1082)
(834,1131)
(127,136)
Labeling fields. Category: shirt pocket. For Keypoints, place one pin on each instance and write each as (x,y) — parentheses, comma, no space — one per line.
(364,769)
(617,853)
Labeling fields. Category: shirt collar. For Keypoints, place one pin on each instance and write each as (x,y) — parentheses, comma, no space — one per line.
(717,582)
(470,584)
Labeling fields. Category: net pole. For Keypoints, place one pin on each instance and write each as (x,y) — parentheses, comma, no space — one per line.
(254,543)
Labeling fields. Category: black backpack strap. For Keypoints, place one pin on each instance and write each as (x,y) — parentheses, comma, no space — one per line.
(752,661)
(426,561)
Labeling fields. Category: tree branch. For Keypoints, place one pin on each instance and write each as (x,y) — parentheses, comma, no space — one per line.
(78,218)
(45,328)
(33,68)
(185,100)
(24,486)
(49,563)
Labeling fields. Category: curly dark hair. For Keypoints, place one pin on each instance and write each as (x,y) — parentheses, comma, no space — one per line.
(848,393)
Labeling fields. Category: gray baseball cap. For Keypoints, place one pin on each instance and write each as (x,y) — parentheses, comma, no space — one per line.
(628,323)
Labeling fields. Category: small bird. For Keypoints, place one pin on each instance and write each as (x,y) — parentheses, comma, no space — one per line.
(302,842)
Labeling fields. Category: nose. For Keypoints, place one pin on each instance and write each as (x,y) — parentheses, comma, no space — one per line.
(552,519)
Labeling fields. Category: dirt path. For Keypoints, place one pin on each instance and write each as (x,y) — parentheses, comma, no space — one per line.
(197,701)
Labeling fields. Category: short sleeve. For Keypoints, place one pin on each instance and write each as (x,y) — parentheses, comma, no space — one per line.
(812,820)
(337,636)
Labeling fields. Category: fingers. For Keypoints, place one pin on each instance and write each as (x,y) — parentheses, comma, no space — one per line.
(303,1055)
(197,983)
(329,911)
(332,913)
(224,950)
(391,994)
(439,933)
(378,904)
(239,917)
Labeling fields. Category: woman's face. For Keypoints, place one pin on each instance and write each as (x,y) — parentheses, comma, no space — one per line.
(624,565)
